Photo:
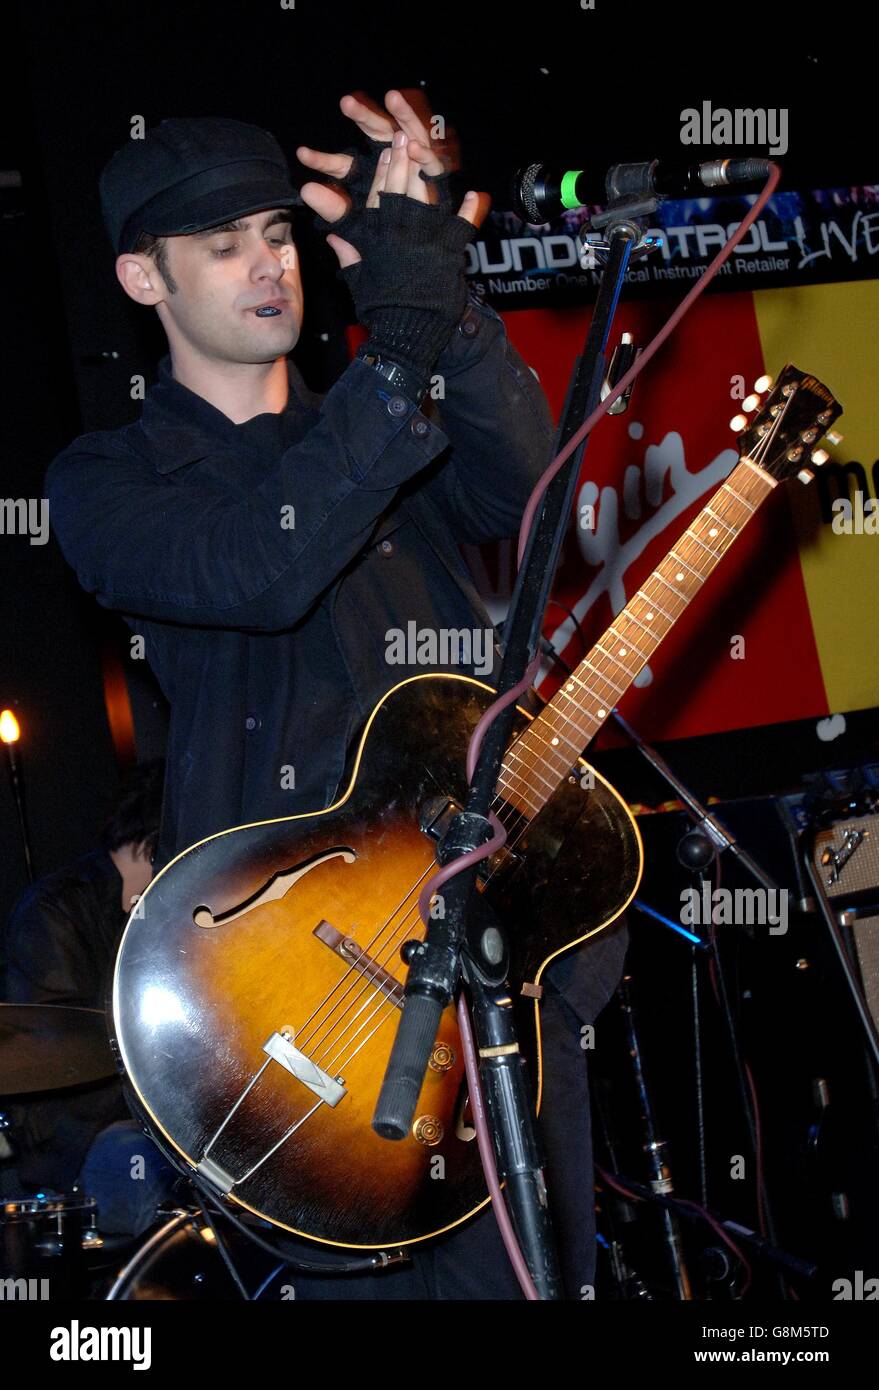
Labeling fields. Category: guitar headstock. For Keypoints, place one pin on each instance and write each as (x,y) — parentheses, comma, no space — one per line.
(787,425)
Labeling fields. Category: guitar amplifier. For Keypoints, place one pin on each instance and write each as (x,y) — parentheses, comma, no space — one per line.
(840,817)
(846,856)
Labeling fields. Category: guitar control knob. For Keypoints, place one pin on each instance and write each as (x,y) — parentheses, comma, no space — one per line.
(442,1058)
(428,1130)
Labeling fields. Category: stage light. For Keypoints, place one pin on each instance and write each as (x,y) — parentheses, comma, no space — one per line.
(9,727)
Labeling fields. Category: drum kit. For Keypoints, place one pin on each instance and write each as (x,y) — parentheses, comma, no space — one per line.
(51,1245)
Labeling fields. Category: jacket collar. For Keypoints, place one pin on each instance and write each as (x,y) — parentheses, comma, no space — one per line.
(182,427)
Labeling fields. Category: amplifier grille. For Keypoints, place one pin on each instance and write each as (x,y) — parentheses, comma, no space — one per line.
(866,934)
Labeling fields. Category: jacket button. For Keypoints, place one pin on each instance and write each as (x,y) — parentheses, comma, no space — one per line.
(398,405)
(420,428)
(469,326)
(387,547)
(251,723)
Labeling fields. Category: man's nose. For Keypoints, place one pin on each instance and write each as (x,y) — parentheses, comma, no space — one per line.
(267,268)
(268,262)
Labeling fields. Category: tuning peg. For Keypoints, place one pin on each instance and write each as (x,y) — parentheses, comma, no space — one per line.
(762,384)
(738,423)
(819,456)
(750,403)
(805,475)
(834,437)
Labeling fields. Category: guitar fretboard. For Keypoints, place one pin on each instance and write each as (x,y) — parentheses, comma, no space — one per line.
(542,757)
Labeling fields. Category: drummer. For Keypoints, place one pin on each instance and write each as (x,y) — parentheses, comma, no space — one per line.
(58,947)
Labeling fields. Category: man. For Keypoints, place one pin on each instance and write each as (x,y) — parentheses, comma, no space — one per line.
(59,947)
(265,542)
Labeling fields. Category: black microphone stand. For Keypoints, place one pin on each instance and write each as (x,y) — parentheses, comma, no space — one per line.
(466,927)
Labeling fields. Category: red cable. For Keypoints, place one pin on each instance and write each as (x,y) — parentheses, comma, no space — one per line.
(486,850)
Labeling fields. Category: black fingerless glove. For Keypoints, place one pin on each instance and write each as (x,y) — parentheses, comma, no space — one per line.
(409,289)
(358,180)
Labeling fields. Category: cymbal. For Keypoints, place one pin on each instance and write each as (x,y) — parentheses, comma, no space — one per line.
(44,1047)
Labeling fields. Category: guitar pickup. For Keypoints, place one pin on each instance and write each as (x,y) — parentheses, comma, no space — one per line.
(354,955)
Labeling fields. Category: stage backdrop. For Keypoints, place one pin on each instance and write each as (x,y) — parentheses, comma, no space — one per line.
(800,595)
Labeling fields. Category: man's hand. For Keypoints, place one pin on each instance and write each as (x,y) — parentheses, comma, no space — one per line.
(398,168)
(412,116)
(398,173)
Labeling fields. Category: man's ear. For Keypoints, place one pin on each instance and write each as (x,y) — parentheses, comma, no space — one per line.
(140,278)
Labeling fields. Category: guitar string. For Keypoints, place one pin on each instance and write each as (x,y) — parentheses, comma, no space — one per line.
(388,1013)
(363,974)
(498,803)
(761,449)
(339,1041)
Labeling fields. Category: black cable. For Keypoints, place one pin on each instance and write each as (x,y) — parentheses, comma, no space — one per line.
(221,1246)
(556,603)
(372,1262)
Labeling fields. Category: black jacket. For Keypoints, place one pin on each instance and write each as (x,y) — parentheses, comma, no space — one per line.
(270,639)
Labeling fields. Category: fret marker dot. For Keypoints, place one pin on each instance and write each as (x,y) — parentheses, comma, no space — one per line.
(602,713)
(622,651)
(679,577)
(555,741)
(713,531)
(570,685)
(650,617)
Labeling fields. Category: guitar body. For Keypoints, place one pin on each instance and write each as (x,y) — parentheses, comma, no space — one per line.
(212,968)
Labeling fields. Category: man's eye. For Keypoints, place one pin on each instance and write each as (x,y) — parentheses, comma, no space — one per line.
(224,250)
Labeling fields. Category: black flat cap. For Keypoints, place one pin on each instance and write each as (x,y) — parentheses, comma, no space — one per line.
(189,174)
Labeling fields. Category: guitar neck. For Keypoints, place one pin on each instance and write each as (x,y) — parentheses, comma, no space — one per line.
(542,757)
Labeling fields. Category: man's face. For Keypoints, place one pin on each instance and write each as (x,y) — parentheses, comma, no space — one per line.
(223,275)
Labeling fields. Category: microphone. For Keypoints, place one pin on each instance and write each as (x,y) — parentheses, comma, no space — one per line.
(541,192)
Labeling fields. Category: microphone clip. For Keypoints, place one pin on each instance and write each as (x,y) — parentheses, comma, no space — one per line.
(624,354)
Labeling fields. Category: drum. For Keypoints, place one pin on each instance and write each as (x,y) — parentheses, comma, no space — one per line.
(48,1240)
(179,1261)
